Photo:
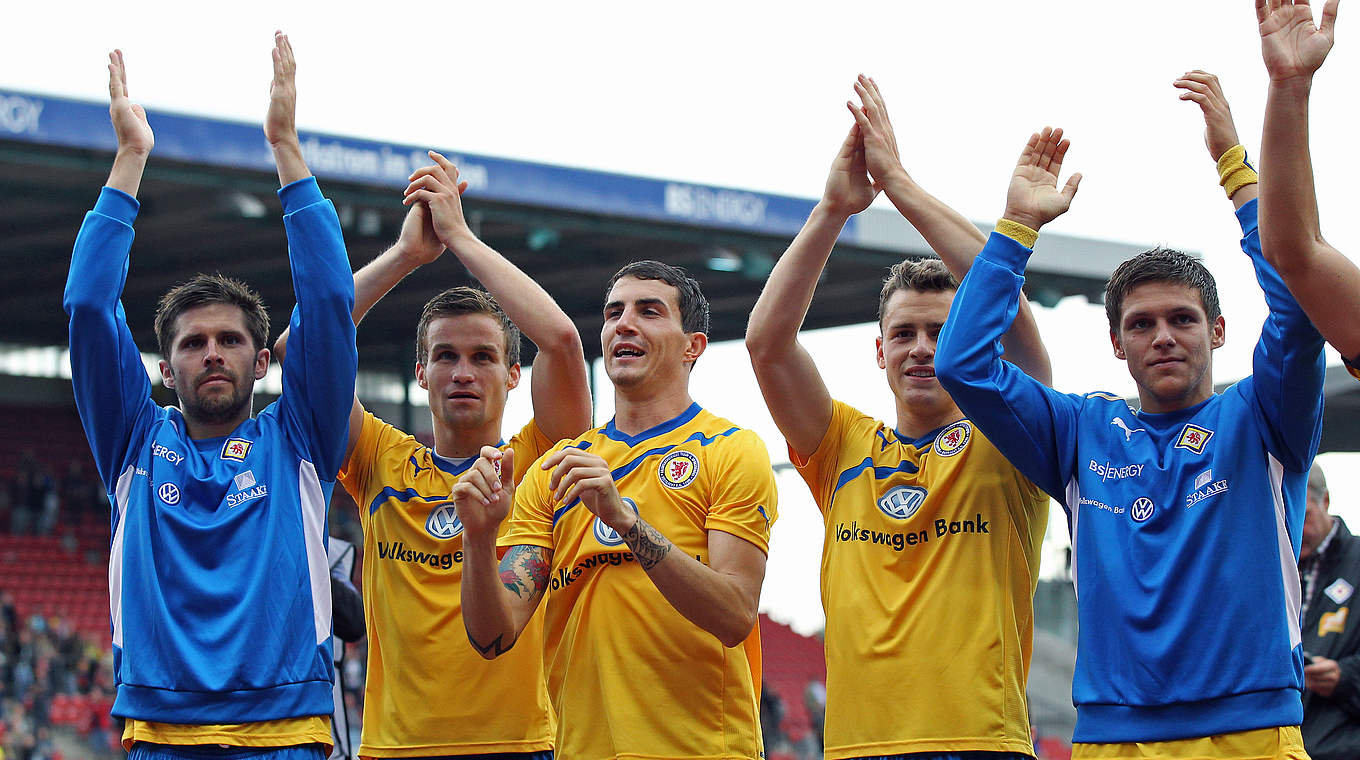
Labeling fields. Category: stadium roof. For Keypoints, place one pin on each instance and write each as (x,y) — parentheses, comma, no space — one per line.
(208,204)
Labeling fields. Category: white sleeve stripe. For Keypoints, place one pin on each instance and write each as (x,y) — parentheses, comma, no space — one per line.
(313,506)
(120,502)
(1289,569)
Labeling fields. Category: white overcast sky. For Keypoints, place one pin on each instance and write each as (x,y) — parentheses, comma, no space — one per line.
(751,95)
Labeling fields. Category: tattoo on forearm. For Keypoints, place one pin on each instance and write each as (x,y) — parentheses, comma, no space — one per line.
(524,570)
(496,648)
(649,546)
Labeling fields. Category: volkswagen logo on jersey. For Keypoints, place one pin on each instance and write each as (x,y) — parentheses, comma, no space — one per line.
(443,521)
(901,502)
(606,535)
(1142,509)
(952,439)
(168,493)
(678,469)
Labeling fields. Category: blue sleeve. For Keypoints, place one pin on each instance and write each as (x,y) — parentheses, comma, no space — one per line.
(112,391)
(318,370)
(1033,425)
(1288,366)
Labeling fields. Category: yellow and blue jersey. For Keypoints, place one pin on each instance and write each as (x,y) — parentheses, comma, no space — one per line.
(929,566)
(428,691)
(629,676)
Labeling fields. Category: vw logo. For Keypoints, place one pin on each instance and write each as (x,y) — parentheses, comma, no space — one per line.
(168,493)
(901,502)
(607,535)
(1142,509)
(443,521)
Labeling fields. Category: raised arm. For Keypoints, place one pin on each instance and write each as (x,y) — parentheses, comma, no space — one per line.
(721,597)
(318,377)
(1220,135)
(416,246)
(793,388)
(954,239)
(498,600)
(1032,425)
(559,387)
(1326,283)
(111,388)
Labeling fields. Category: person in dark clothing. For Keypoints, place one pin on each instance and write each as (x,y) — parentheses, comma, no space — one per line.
(1329,569)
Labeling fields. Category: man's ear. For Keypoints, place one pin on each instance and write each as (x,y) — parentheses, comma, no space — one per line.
(420,376)
(513,381)
(167,374)
(698,342)
(261,363)
(1118,348)
(1218,333)
(878,349)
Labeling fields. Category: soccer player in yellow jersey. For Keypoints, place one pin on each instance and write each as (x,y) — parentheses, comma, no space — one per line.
(931,550)
(428,693)
(1325,282)
(648,537)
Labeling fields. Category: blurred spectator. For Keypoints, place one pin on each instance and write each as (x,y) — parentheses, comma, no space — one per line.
(1329,568)
(814,699)
(772,720)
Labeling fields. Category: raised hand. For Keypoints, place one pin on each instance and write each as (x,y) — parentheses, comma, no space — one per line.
(1291,45)
(280,123)
(438,188)
(1219,132)
(1033,198)
(418,241)
(880,142)
(578,474)
(848,190)
(129,119)
(483,496)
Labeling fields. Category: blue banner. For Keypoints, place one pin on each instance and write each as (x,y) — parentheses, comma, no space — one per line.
(81,124)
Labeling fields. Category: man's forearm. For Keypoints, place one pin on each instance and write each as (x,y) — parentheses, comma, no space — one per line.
(1288,200)
(524,301)
(707,598)
(784,301)
(487,617)
(289,162)
(126,174)
(953,238)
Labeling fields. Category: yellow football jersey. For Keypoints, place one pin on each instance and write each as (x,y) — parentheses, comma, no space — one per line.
(428,691)
(630,677)
(929,566)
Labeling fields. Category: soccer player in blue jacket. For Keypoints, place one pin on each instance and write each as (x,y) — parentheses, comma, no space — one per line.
(1186,513)
(219,588)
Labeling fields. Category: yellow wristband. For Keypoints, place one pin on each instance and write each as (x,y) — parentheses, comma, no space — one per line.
(1017,232)
(1234,173)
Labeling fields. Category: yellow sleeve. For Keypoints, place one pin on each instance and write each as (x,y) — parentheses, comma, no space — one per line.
(531,518)
(529,444)
(820,469)
(362,473)
(744,499)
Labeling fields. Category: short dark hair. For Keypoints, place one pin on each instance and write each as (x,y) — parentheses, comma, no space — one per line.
(205,290)
(466,300)
(1160,265)
(693,306)
(925,275)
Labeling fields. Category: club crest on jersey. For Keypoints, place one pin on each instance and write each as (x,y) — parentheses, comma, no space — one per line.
(1142,509)
(952,439)
(443,521)
(606,535)
(1193,438)
(168,493)
(236,448)
(901,502)
(678,469)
